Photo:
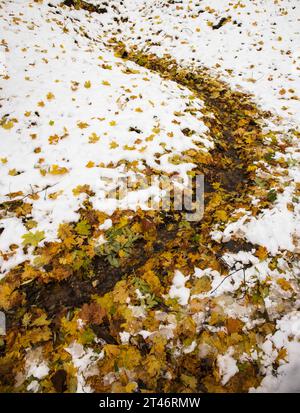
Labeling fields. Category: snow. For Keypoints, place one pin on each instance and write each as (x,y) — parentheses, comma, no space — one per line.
(124,337)
(178,289)
(13,230)
(145,334)
(275,228)
(288,374)
(47,99)
(190,348)
(227,366)
(35,368)
(85,360)
(106,224)
(258,49)
(33,386)
(38,370)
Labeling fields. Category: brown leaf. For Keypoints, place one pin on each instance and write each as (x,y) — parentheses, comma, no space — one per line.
(234,325)
(92,313)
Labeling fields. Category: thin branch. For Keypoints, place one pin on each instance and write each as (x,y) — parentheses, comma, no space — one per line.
(225,278)
(39,191)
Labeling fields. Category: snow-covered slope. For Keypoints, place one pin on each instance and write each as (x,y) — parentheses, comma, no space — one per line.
(76,115)
(251,44)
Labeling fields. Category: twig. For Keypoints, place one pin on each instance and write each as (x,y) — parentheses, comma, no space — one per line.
(245,284)
(244,267)
(40,190)
(225,278)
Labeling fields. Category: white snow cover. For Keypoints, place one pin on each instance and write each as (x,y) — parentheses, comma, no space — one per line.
(287,336)
(36,368)
(227,366)
(85,360)
(75,106)
(276,228)
(178,289)
(256,49)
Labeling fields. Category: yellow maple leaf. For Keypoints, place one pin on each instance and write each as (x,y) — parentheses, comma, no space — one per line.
(66,234)
(93,138)
(153,365)
(152,280)
(7,296)
(284,284)
(202,285)
(55,195)
(7,125)
(222,215)
(189,381)
(111,350)
(130,387)
(113,145)
(282,354)
(81,189)
(150,138)
(82,125)
(50,96)
(53,139)
(251,168)
(12,172)
(261,253)
(58,170)
(36,335)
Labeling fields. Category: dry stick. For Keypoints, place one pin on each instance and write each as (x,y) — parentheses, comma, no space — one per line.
(40,190)
(32,193)
(225,278)
(246,287)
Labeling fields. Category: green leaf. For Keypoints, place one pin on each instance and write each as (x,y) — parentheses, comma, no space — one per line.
(83,228)
(259,182)
(269,156)
(33,238)
(87,336)
(113,261)
(272,195)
